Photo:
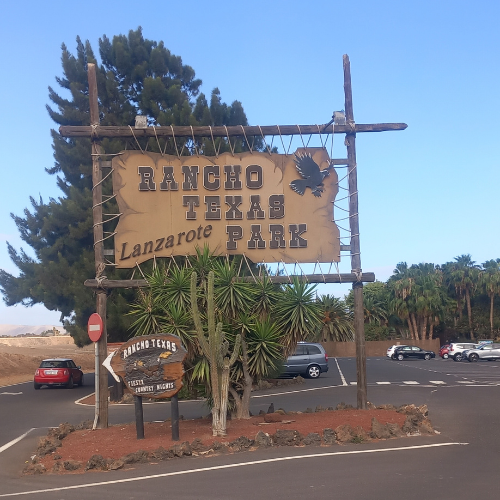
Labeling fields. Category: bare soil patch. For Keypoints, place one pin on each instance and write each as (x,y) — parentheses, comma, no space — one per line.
(67,449)
(18,363)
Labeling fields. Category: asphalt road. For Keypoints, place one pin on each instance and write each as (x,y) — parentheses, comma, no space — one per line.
(463,400)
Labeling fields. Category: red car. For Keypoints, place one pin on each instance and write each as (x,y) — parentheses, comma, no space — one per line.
(444,351)
(59,371)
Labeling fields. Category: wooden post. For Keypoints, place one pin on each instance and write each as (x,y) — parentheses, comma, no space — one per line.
(359,327)
(139,417)
(102,343)
(174,417)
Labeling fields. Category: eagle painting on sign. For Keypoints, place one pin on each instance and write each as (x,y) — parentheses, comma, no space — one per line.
(269,207)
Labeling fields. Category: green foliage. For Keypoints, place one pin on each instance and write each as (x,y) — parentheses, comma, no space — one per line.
(265,352)
(298,314)
(337,320)
(135,76)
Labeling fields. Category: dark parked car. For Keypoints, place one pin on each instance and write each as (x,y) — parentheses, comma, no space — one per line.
(58,371)
(308,359)
(411,351)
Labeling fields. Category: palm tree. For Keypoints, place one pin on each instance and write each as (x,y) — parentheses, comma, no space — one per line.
(490,282)
(465,274)
(337,320)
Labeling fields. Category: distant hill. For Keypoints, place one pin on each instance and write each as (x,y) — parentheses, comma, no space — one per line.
(15,330)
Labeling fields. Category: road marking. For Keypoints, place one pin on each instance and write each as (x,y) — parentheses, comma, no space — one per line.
(340,372)
(411,382)
(14,441)
(12,385)
(11,393)
(383,383)
(437,382)
(464,382)
(354,383)
(228,466)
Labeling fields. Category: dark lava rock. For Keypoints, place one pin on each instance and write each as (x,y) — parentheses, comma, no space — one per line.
(241,443)
(287,438)
(61,431)
(161,454)
(97,462)
(71,464)
(116,464)
(34,469)
(139,456)
(313,438)
(263,440)
(379,431)
(344,433)
(329,436)
(181,450)
(86,424)
(395,430)
(343,406)
(197,445)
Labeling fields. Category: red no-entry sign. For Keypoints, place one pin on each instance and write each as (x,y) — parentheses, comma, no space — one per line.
(94,327)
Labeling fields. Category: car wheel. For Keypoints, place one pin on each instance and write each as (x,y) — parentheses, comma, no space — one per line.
(81,381)
(313,371)
(400,357)
(36,386)
(457,357)
(473,357)
(427,357)
(445,355)
(392,356)
(69,385)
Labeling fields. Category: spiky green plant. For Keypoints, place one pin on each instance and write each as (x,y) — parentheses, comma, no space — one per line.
(215,348)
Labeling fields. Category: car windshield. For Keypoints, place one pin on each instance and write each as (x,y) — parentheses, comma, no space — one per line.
(54,364)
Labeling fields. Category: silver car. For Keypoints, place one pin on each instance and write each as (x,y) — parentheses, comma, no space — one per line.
(309,359)
(490,352)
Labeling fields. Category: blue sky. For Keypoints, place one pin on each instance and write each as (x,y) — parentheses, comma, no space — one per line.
(426,194)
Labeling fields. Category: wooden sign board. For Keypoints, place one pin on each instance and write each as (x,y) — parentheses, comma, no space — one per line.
(151,365)
(272,208)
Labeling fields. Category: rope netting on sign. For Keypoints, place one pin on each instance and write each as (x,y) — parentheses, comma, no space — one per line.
(209,144)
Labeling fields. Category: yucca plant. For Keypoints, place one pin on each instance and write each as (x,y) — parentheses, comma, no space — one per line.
(298,314)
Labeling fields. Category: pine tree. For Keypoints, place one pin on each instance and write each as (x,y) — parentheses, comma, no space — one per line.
(136,76)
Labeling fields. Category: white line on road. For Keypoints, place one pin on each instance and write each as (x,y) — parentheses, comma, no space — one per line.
(11,393)
(340,372)
(437,382)
(383,383)
(228,466)
(14,441)
(411,382)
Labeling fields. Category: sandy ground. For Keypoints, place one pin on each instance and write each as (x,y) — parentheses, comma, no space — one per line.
(18,363)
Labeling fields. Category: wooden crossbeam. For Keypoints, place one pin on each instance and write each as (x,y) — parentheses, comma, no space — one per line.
(99,131)
(309,278)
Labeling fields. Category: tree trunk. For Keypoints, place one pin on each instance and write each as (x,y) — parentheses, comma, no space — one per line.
(410,327)
(469,312)
(224,396)
(492,300)
(415,328)
(431,329)
(423,331)
(247,388)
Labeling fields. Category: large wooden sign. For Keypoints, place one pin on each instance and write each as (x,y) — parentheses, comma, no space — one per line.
(151,365)
(272,208)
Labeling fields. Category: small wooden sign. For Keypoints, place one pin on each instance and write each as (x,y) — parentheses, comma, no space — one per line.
(151,365)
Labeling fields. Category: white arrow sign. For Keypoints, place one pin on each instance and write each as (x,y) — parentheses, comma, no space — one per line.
(107,364)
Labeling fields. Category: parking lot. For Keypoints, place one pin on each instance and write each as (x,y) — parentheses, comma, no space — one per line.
(463,401)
